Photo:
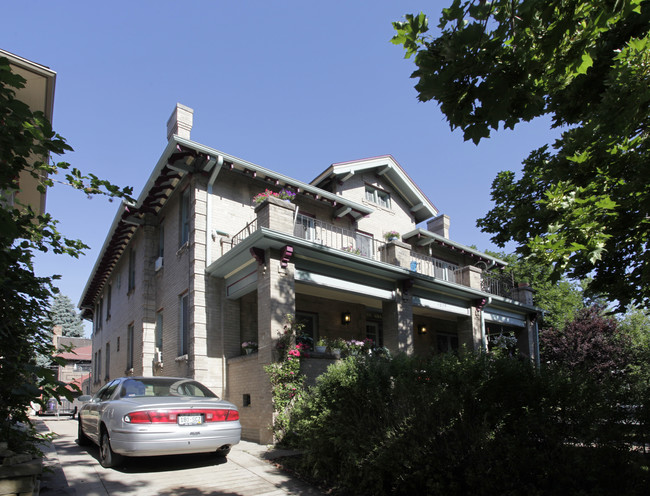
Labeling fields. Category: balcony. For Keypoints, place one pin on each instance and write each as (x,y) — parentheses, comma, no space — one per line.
(336,237)
(357,243)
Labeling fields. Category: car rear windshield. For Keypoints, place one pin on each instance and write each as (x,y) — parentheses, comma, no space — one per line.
(164,387)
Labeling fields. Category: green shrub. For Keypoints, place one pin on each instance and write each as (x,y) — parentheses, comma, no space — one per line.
(475,424)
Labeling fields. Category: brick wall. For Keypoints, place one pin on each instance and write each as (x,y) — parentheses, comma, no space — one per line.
(246,376)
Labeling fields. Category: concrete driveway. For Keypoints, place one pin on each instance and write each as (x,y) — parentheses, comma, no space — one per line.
(76,471)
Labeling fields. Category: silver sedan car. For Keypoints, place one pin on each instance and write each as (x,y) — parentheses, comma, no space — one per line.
(148,416)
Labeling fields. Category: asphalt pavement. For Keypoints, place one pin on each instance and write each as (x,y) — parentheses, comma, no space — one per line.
(75,470)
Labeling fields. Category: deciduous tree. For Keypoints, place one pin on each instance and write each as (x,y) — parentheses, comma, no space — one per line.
(592,343)
(582,204)
(26,143)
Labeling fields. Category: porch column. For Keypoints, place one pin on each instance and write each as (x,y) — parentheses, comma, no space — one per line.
(469,328)
(471,277)
(398,321)
(276,214)
(276,297)
(527,338)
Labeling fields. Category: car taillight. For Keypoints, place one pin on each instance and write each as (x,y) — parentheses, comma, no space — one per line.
(171,416)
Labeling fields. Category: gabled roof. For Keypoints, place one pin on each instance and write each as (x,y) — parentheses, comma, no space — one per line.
(393,173)
(83,353)
(182,156)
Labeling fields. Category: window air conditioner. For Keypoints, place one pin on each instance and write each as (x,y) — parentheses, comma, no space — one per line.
(159,263)
(157,357)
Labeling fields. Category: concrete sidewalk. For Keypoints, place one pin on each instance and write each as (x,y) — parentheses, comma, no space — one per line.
(246,471)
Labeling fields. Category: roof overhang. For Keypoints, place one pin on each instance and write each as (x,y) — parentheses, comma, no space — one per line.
(239,262)
(393,173)
(38,92)
(180,157)
(427,238)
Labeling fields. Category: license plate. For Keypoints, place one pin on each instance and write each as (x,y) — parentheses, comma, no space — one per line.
(190,419)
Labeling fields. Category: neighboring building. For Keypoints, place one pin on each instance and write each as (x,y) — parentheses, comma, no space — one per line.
(38,94)
(78,358)
(195,267)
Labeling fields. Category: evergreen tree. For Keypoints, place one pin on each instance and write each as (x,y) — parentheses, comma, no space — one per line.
(63,313)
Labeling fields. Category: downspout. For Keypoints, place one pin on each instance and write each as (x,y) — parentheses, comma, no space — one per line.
(488,301)
(208,260)
(208,231)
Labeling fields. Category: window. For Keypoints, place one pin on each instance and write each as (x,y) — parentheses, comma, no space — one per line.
(108,361)
(305,227)
(100,312)
(184,227)
(447,342)
(96,320)
(95,376)
(109,297)
(131,270)
(118,344)
(159,331)
(364,244)
(378,196)
(107,391)
(98,363)
(184,325)
(161,240)
(374,331)
(129,347)
(309,330)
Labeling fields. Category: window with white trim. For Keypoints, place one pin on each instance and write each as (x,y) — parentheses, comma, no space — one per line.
(378,196)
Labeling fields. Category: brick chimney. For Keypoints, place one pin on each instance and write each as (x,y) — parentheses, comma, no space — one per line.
(57,332)
(439,225)
(180,122)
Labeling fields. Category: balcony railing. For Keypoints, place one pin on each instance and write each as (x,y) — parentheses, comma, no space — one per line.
(500,285)
(250,228)
(357,243)
(434,267)
(336,237)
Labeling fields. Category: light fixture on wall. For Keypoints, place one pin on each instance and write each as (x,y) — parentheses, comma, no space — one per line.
(422,329)
(346,318)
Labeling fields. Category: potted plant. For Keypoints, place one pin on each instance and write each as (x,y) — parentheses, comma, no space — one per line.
(284,194)
(336,346)
(321,345)
(353,346)
(352,249)
(391,236)
(249,347)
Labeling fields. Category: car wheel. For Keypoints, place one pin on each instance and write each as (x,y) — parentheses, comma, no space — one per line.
(223,452)
(107,457)
(82,439)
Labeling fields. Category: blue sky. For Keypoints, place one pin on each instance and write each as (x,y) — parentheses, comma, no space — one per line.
(293,86)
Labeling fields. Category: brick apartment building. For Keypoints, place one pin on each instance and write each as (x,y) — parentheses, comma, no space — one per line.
(195,267)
